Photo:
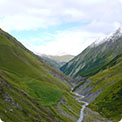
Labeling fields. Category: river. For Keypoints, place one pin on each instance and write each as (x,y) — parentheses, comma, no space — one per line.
(79,99)
(1,120)
(82,111)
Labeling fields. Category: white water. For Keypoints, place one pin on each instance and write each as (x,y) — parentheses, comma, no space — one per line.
(1,120)
(79,99)
(82,111)
(120,120)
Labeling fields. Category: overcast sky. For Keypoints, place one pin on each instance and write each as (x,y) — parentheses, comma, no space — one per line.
(58,27)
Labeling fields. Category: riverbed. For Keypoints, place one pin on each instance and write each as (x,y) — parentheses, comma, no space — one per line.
(79,99)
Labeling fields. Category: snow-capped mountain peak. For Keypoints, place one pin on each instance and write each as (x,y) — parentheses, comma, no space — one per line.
(112,36)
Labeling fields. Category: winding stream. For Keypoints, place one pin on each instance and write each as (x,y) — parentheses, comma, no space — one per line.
(82,111)
(79,99)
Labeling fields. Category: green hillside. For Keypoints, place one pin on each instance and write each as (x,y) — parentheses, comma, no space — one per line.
(108,85)
(109,102)
(28,91)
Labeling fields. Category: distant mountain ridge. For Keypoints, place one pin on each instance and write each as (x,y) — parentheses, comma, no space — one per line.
(56,60)
(63,58)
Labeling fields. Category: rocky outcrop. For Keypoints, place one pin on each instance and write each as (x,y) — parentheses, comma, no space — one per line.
(63,112)
(92,96)
(6,96)
(86,90)
(62,77)
(92,116)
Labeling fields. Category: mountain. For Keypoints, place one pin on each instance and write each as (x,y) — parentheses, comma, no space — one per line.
(63,58)
(96,57)
(98,77)
(51,61)
(104,91)
(30,89)
(109,83)
(58,61)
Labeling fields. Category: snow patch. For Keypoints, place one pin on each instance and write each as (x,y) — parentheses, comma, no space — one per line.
(100,40)
(112,36)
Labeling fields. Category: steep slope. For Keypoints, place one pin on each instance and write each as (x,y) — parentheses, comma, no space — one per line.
(107,85)
(100,70)
(96,57)
(30,90)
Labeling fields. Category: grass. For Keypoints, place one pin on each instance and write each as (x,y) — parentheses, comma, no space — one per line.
(44,93)
(27,81)
(108,103)
(13,64)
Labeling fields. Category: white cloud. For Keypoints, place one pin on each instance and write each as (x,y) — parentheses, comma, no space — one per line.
(23,22)
(34,14)
(121,1)
(97,17)
(117,25)
(45,12)
(73,14)
(70,42)
(101,26)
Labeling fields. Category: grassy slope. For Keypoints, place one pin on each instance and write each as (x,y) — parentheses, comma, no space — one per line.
(109,79)
(30,85)
(109,102)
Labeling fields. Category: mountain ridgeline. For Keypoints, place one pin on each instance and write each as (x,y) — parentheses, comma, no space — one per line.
(57,61)
(98,76)
(96,57)
(31,90)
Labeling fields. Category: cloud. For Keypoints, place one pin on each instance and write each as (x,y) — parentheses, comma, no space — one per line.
(121,1)
(101,26)
(24,22)
(86,19)
(35,14)
(117,25)
(69,41)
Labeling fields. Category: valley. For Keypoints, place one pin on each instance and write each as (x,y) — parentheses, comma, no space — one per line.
(60,60)
(87,89)
(31,90)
